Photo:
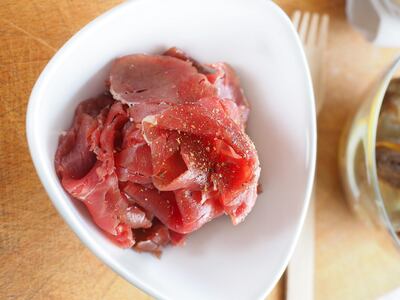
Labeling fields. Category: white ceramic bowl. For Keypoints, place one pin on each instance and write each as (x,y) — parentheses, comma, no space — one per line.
(219,261)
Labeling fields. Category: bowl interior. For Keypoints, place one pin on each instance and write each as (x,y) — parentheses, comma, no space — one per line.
(219,261)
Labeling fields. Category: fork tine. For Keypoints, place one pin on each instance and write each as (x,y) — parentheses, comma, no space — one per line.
(313,30)
(304,26)
(321,46)
(296,19)
(323,31)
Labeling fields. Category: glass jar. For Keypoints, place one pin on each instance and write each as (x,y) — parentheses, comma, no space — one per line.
(371,198)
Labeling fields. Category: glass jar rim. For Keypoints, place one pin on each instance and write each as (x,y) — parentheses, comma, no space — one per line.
(372,122)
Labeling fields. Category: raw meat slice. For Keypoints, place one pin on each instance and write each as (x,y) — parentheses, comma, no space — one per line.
(172,208)
(137,218)
(155,78)
(206,117)
(161,204)
(134,164)
(215,147)
(73,156)
(226,82)
(180,54)
(228,87)
(153,239)
(194,211)
(133,161)
(139,111)
(162,155)
(172,164)
(85,164)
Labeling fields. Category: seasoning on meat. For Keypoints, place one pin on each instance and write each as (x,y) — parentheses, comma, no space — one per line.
(162,152)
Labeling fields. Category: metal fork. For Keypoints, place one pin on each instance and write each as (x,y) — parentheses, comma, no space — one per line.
(313,32)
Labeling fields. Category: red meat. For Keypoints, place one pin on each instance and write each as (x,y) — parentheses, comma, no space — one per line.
(155,78)
(214,153)
(165,154)
(226,82)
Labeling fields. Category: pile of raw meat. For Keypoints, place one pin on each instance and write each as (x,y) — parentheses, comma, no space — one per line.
(162,152)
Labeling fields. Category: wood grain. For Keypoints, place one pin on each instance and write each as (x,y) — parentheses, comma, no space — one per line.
(41,258)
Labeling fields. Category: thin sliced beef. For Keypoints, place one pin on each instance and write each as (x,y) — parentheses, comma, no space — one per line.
(85,164)
(224,78)
(134,164)
(161,204)
(228,86)
(139,111)
(136,218)
(238,114)
(172,160)
(153,239)
(172,208)
(164,154)
(195,210)
(206,117)
(180,54)
(212,147)
(133,161)
(73,157)
(154,79)
(227,83)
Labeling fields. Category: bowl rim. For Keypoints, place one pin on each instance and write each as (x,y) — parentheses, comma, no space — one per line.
(71,219)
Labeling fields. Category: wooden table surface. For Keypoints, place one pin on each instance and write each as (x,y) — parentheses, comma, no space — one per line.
(42,259)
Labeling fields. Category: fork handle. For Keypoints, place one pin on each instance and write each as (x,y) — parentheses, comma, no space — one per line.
(302,263)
